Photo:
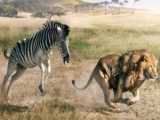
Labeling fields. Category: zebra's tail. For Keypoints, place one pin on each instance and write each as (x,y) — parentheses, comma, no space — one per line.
(7,52)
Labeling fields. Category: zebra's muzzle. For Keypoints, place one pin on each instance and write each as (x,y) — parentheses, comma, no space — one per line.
(66,59)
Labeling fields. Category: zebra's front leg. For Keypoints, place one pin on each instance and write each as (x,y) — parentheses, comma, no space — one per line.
(45,69)
(43,76)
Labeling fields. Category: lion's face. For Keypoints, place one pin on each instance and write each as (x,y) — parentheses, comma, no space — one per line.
(149,65)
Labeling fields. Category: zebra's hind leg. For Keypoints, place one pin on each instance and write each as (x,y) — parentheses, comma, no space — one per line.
(20,70)
(11,70)
(45,69)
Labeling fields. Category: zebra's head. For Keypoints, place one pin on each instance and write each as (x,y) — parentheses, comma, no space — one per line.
(59,35)
(63,41)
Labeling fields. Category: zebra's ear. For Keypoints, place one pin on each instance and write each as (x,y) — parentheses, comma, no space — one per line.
(49,18)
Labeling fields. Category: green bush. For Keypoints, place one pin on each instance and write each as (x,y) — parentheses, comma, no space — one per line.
(7,10)
(52,11)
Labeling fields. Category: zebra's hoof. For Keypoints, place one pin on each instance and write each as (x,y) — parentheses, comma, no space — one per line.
(42,92)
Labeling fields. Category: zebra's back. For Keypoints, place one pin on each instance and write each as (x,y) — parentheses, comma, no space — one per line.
(23,54)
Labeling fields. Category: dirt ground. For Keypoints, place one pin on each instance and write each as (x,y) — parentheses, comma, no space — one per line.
(25,91)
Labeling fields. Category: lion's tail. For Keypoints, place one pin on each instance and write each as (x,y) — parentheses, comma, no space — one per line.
(89,81)
(7,53)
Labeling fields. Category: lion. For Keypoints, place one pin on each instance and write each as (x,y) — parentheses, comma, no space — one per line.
(112,70)
(136,67)
(105,72)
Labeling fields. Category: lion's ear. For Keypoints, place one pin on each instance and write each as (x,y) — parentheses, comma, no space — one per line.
(144,58)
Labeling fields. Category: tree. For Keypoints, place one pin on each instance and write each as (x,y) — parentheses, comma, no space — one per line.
(8,10)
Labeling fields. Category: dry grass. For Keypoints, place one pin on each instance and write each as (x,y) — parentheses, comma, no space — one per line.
(91,37)
(93,34)
(110,38)
(13,30)
(47,110)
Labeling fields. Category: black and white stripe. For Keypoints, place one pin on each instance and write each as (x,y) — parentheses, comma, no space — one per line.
(25,52)
(34,51)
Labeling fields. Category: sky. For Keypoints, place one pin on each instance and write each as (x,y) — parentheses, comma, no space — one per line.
(148,4)
(141,4)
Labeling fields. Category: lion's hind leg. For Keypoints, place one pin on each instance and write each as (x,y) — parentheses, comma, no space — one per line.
(102,80)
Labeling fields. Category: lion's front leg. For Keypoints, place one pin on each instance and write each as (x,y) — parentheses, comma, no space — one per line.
(118,92)
(117,95)
(136,97)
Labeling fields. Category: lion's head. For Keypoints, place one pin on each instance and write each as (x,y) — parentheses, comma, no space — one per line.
(148,64)
(142,61)
(140,65)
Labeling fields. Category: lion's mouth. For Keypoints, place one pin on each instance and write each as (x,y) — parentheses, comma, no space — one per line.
(150,76)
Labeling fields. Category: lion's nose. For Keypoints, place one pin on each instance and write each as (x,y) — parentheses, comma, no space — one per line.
(155,76)
(158,78)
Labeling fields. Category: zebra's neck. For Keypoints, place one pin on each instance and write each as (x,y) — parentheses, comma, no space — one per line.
(44,39)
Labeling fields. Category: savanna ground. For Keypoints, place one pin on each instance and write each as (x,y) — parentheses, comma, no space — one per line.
(91,36)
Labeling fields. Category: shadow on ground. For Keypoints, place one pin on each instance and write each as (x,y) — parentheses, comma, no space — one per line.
(13,108)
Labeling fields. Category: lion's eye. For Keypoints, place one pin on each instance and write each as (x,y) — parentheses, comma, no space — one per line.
(150,68)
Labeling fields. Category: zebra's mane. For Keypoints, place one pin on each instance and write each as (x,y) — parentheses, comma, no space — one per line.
(51,24)
(48,25)
(54,24)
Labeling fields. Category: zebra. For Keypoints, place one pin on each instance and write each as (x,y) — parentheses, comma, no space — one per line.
(35,51)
